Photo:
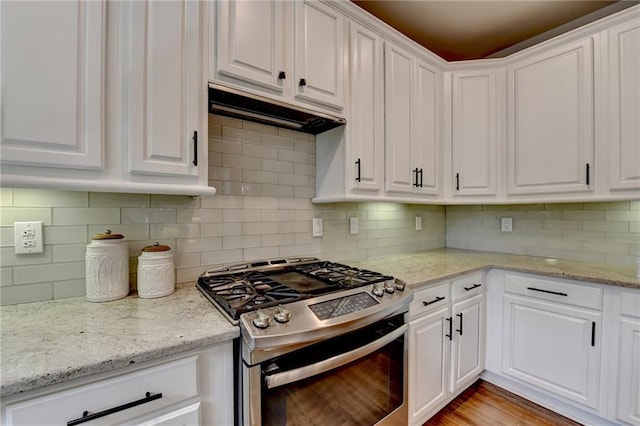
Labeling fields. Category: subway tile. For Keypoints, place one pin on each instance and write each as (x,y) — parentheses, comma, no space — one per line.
(614,205)
(285,191)
(9,258)
(14,295)
(582,235)
(279,215)
(626,238)
(175,201)
(241,215)
(277,166)
(194,245)
(527,207)
(583,215)
(302,146)
(68,252)
(464,208)
(186,260)
(220,229)
(293,156)
(85,216)
(69,288)
(584,256)
(9,215)
(104,199)
(7,236)
(65,234)
(277,239)
(601,247)
(214,130)
(563,224)
(277,141)
(620,259)
(631,215)
(220,257)
(545,214)
(258,228)
(6,197)
(188,275)
(6,276)
(603,226)
(242,135)
(292,179)
(225,174)
(634,249)
(261,177)
(304,192)
(131,216)
(264,203)
(259,128)
(222,201)
(260,253)
(457,214)
(304,169)
(179,230)
(215,158)
(634,226)
(260,151)
(300,136)
(49,198)
(304,227)
(241,162)
(564,206)
(199,215)
(43,273)
(241,241)
(224,146)
(130,232)
(225,121)
(634,205)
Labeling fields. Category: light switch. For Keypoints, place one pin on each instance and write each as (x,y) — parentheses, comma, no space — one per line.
(507,224)
(418,223)
(353,225)
(316,230)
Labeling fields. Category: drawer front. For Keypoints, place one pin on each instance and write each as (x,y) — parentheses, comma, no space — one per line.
(630,303)
(469,285)
(429,299)
(556,291)
(176,380)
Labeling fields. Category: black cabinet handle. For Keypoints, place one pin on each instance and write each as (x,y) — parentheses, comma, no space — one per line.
(195,147)
(588,174)
(415,177)
(86,417)
(358,177)
(547,291)
(420,178)
(593,333)
(437,299)
(457,181)
(450,335)
(472,287)
(282,75)
(303,82)
(460,329)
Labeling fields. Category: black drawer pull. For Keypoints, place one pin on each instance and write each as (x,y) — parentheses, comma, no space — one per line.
(421,178)
(457,181)
(547,291)
(593,333)
(450,335)
(195,148)
(358,178)
(436,300)
(282,75)
(460,330)
(303,82)
(415,182)
(588,174)
(86,417)
(472,287)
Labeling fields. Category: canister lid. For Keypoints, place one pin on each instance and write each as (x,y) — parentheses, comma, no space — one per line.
(156,247)
(107,236)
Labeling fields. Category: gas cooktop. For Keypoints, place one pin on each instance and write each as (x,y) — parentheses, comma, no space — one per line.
(247,287)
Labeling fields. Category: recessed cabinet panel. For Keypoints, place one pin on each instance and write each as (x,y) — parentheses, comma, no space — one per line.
(53,83)
(474,133)
(255,56)
(165,87)
(629,372)
(319,62)
(468,320)
(425,130)
(550,121)
(624,104)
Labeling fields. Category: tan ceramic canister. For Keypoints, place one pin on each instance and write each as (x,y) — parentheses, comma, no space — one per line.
(107,267)
(156,272)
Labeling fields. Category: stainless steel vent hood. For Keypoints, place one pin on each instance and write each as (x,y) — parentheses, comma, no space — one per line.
(238,104)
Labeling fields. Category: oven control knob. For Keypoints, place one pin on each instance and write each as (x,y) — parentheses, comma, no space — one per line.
(378,290)
(282,315)
(262,320)
(389,287)
(400,285)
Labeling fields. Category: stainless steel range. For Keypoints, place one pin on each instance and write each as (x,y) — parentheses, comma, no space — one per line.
(321,342)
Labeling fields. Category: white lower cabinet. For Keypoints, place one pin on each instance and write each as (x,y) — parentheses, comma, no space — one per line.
(628,372)
(446,344)
(193,389)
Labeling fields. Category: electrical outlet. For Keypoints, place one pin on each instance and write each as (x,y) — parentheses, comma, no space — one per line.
(506,224)
(418,223)
(316,230)
(28,237)
(353,225)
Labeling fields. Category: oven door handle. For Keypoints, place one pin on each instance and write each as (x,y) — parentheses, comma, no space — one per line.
(291,376)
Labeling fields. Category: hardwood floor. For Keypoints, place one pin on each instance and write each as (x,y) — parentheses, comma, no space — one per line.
(484,404)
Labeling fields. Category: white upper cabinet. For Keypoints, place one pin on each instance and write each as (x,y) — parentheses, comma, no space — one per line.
(165,90)
(250,43)
(319,54)
(550,121)
(53,84)
(292,51)
(411,118)
(475,133)
(622,88)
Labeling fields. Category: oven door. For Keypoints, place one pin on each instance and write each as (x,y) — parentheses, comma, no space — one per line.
(355,379)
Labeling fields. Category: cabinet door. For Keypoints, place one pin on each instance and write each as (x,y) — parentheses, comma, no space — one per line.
(53,83)
(366,120)
(467,353)
(425,128)
(319,50)
(399,74)
(629,372)
(555,347)
(428,363)
(624,105)
(250,42)
(165,89)
(474,132)
(550,121)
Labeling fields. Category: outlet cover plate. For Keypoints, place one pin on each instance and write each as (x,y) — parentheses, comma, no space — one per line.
(353,225)
(506,224)
(316,228)
(28,237)
(418,223)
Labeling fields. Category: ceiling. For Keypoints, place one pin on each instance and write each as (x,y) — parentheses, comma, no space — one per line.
(459,30)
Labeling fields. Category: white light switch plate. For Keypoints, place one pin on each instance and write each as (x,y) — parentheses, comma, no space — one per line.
(28,237)
(353,225)
(507,224)
(316,230)
(418,223)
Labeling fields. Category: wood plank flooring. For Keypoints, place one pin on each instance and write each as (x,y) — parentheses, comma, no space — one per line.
(485,404)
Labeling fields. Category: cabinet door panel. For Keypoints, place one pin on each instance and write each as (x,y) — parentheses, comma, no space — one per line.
(165,87)
(550,121)
(425,132)
(468,343)
(250,42)
(319,54)
(53,76)
(624,93)
(550,346)
(629,372)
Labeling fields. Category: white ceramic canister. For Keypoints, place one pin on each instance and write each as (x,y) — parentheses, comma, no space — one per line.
(107,267)
(156,272)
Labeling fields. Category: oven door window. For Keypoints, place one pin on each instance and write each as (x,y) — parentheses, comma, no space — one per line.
(361,392)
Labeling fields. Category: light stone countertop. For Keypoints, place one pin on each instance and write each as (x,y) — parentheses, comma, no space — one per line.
(44,343)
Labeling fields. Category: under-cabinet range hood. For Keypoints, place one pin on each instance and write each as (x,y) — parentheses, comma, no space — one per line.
(238,104)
